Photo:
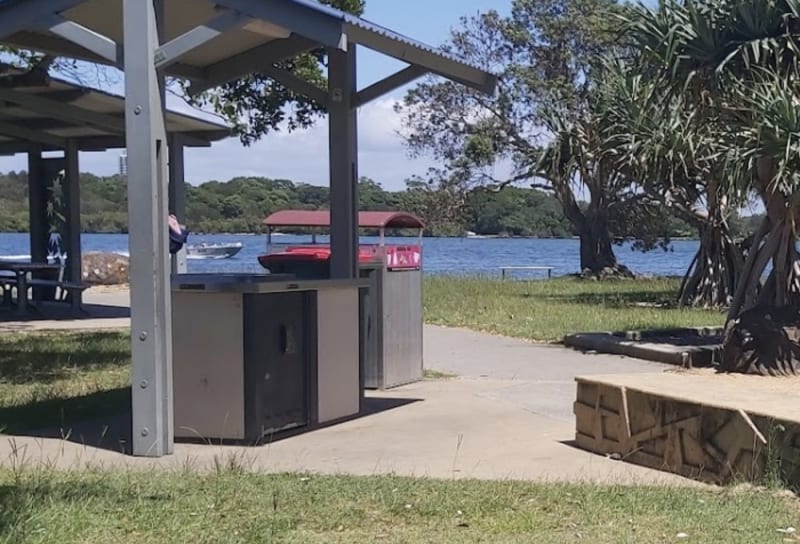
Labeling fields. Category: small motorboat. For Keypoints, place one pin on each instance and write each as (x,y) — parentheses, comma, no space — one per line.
(213,251)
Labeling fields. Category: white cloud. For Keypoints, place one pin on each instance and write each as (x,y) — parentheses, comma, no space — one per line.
(301,156)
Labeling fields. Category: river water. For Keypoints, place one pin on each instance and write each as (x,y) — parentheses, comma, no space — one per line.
(454,256)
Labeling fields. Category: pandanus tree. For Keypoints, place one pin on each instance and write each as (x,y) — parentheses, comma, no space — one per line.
(678,158)
(543,126)
(738,61)
(578,155)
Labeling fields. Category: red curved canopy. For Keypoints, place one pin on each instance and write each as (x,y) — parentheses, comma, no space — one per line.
(322,218)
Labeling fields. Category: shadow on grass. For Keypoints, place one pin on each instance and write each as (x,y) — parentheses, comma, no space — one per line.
(45,358)
(103,420)
(99,420)
(610,300)
(24,499)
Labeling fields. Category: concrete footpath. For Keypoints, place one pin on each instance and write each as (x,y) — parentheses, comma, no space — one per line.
(507,414)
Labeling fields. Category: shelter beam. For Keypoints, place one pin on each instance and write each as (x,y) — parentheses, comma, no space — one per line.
(252,60)
(151,319)
(65,112)
(100,45)
(57,47)
(61,48)
(37,205)
(387,85)
(35,136)
(295,18)
(298,85)
(177,195)
(35,77)
(73,219)
(343,157)
(430,60)
(38,124)
(170,52)
(16,16)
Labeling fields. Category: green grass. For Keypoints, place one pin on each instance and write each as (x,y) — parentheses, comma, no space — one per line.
(51,379)
(431,374)
(61,378)
(548,310)
(234,506)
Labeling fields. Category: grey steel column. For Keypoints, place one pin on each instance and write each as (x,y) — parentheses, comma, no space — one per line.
(177,195)
(343,146)
(151,323)
(73,217)
(37,205)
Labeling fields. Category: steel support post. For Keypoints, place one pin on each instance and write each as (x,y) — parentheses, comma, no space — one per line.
(177,195)
(37,205)
(151,320)
(343,146)
(73,218)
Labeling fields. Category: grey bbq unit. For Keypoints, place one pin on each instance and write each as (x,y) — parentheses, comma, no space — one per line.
(393,322)
(258,355)
(392,317)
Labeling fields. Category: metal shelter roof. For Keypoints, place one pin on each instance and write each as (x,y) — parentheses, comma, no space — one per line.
(322,218)
(48,111)
(227,35)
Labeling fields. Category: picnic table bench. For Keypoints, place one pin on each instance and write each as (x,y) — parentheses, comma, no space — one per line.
(17,279)
(66,291)
(504,269)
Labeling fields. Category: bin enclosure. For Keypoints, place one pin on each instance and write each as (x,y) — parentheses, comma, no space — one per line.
(258,356)
(393,315)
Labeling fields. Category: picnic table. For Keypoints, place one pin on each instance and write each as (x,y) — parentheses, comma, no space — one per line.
(21,269)
(504,269)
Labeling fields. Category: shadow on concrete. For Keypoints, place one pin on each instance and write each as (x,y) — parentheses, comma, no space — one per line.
(113,432)
(571,443)
(376,405)
(51,311)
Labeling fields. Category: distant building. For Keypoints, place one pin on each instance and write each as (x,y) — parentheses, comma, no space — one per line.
(123,165)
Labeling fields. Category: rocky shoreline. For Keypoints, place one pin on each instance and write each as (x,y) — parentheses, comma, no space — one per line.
(105,269)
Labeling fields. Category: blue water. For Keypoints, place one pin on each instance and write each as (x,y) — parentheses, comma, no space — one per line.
(440,255)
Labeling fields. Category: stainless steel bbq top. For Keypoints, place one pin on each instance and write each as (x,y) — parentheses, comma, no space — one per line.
(256,283)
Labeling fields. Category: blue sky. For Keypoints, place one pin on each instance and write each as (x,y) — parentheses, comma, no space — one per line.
(302,156)
(427,21)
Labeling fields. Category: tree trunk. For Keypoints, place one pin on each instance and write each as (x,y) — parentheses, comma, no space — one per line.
(712,277)
(775,243)
(597,252)
(764,340)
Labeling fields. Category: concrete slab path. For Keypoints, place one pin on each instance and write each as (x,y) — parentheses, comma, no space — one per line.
(507,415)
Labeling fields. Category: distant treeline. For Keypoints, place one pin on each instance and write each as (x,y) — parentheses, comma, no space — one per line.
(241,204)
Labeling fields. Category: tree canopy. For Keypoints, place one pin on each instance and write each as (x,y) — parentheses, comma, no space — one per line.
(545,124)
(240,204)
(256,105)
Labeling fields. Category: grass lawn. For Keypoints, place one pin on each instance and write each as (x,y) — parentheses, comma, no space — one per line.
(547,310)
(61,378)
(231,505)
